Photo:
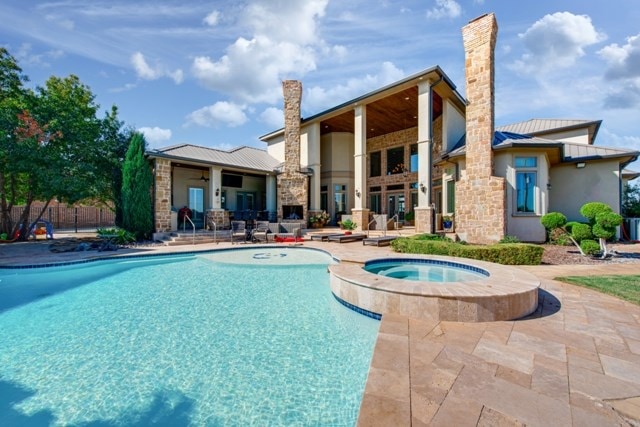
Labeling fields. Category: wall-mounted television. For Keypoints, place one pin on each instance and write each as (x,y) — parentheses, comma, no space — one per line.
(230,180)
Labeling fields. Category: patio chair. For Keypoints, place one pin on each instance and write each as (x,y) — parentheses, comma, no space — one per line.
(238,232)
(260,232)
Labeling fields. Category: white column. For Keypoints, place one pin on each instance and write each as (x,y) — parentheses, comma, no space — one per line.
(311,142)
(360,157)
(424,143)
(215,186)
(271,193)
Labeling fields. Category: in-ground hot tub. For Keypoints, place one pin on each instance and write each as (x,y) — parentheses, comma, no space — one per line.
(495,292)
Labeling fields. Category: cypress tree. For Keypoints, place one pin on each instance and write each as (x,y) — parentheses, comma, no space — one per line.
(136,189)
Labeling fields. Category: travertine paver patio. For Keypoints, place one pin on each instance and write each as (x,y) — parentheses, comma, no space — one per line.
(576,361)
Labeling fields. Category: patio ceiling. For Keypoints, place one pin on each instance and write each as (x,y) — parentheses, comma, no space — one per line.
(389,114)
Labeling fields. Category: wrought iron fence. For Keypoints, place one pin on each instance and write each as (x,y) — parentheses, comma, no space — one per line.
(70,218)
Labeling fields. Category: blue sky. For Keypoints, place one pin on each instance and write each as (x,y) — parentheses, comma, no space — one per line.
(209,73)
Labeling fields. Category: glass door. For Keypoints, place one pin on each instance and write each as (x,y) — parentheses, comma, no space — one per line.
(196,204)
(395,205)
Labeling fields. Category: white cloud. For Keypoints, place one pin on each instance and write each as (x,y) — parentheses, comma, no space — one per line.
(25,55)
(317,98)
(146,72)
(273,117)
(222,112)
(155,136)
(284,44)
(445,9)
(212,19)
(556,41)
(624,70)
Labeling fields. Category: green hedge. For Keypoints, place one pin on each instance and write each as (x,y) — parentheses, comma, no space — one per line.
(503,253)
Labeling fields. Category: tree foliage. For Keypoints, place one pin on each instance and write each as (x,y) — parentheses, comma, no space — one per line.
(137,180)
(631,201)
(52,144)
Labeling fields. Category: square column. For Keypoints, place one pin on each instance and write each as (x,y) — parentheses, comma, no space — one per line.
(360,157)
(424,217)
(215,173)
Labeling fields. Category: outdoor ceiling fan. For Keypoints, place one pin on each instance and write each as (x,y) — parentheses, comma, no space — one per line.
(202,178)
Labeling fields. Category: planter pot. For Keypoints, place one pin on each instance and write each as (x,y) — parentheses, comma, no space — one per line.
(447,225)
(347,233)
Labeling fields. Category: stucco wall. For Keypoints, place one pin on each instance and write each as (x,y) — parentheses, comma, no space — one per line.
(455,125)
(579,136)
(572,187)
(525,227)
(275,148)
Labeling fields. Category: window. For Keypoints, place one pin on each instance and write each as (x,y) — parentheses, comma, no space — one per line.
(451,196)
(340,198)
(413,158)
(375,203)
(395,161)
(526,174)
(375,164)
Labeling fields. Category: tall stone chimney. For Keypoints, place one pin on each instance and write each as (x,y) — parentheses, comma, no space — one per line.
(480,197)
(292,90)
(292,184)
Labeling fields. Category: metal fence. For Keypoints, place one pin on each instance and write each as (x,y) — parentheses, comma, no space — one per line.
(70,218)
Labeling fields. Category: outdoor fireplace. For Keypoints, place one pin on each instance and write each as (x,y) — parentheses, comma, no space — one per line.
(292,212)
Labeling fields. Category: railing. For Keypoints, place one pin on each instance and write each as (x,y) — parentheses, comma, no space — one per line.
(395,223)
(184,227)
(215,229)
(369,227)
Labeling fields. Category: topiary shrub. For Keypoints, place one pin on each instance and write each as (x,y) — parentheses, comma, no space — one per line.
(580,231)
(553,220)
(590,247)
(602,225)
(592,209)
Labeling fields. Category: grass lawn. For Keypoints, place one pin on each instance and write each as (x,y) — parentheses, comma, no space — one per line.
(625,287)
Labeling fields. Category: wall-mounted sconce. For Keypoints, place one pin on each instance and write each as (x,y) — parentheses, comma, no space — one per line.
(217,192)
(580,165)
(357,193)
(423,188)
(405,172)
(548,186)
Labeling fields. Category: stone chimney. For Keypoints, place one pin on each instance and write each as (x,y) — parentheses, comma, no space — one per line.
(480,215)
(292,184)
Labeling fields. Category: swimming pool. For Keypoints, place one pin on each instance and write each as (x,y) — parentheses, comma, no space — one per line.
(241,337)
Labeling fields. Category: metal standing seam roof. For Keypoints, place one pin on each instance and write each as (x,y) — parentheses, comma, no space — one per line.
(242,157)
(571,151)
(535,126)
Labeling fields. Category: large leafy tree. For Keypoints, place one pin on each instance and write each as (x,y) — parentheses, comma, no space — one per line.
(53,145)
(137,180)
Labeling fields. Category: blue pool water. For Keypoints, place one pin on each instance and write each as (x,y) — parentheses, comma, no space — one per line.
(242,337)
(426,270)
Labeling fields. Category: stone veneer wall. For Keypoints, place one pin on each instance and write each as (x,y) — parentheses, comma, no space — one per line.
(291,184)
(162,208)
(405,137)
(480,215)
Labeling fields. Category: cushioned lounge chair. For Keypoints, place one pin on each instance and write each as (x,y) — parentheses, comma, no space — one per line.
(324,237)
(344,238)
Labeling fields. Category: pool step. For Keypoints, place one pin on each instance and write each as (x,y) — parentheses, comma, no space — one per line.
(201,237)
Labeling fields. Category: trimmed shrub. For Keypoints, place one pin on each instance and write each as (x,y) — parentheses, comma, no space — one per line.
(580,231)
(553,220)
(590,247)
(505,253)
(509,239)
(592,209)
(123,236)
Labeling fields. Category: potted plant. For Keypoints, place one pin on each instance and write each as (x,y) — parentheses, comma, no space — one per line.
(447,222)
(348,225)
(410,217)
(319,220)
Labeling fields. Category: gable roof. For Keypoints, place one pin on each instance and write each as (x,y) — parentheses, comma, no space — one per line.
(538,127)
(570,151)
(242,157)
